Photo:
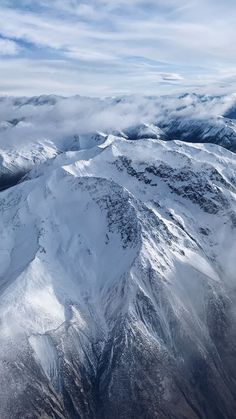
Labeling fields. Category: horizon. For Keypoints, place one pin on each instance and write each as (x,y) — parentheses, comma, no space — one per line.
(178,94)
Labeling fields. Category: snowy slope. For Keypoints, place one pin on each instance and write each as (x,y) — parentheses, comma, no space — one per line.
(117,289)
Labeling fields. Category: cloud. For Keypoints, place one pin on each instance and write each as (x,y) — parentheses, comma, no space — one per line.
(8,47)
(171,77)
(135,46)
(67,117)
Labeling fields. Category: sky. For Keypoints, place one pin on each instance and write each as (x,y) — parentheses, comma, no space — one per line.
(117,47)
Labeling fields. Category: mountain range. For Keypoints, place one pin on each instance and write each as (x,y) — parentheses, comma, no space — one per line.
(117,273)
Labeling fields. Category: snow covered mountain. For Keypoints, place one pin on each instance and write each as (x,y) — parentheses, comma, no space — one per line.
(117,283)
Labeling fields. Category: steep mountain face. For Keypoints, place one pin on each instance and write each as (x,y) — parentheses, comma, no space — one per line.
(15,163)
(117,283)
(220,130)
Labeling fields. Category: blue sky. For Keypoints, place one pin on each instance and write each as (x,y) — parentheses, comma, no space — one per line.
(114,47)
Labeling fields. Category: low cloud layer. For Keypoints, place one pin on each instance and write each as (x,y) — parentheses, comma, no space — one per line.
(60,119)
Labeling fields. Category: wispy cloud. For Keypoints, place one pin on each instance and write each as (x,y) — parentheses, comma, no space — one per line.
(111,46)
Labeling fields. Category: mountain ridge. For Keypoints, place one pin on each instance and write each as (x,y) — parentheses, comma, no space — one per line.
(117,283)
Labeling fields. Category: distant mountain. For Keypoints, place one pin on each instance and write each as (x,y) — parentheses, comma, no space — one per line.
(117,282)
(221,131)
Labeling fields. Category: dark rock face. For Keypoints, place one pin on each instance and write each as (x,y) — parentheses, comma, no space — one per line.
(9,180)
(198,188)
(213,131)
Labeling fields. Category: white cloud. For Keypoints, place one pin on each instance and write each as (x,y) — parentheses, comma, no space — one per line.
(114,43)
(8,47)
(78,115)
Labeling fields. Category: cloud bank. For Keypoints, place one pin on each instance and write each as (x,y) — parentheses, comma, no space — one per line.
(60,119)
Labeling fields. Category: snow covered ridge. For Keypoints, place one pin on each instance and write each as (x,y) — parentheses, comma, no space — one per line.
(117,282)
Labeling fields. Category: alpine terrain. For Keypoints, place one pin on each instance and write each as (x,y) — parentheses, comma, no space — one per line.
(118,258)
